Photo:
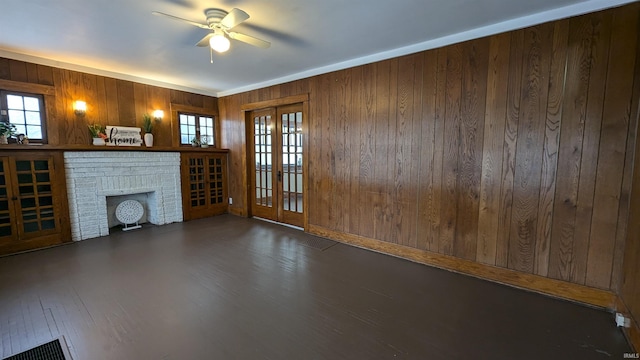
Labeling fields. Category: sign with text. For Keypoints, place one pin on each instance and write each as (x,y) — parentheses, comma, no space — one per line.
(123,136)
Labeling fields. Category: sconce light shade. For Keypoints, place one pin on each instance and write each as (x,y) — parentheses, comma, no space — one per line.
(80,107)
(219,42)
(158,114)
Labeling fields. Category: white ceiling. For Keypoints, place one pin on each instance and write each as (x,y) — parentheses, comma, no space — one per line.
(122,39)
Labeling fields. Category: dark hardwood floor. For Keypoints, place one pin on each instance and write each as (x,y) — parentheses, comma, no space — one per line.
(235,288)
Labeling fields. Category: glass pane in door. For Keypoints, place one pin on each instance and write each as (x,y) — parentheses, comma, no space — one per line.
(36,198)
(292,161)
(215,181)
(263,165)
(5,215)
(197,195)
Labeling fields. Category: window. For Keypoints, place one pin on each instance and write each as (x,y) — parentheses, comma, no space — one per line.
(26,112)
(201,127)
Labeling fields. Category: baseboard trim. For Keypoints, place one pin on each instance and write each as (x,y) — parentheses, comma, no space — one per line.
(633,332)
(237,211)
(551,287)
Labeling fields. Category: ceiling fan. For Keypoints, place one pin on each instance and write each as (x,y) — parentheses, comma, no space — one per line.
(220,23)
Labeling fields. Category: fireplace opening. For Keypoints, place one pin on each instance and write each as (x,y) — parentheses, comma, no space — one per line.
(146,199)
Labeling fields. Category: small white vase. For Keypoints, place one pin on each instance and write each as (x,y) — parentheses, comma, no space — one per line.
(148,140)
(98,141)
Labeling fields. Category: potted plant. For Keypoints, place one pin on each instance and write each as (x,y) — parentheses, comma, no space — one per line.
(204,142)
(98,134)
(147,126)
(7,130)
(195,142)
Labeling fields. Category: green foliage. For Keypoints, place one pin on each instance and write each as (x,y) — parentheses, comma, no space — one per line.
(7,129)
(147,125)
(96,130)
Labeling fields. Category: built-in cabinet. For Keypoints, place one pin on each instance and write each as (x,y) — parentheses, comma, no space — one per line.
(33,201)
(34,206)
(204,184)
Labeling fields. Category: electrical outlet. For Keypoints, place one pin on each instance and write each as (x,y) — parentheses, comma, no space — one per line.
(622,321)
(230,201)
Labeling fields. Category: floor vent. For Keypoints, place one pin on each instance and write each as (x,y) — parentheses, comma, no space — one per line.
(49,351)
(316,242)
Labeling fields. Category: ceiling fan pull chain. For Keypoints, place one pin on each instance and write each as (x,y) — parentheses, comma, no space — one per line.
(211,54)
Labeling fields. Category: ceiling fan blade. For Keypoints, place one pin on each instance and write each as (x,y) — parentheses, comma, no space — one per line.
(233,18)
(249,39)
(205,40)
(181,19)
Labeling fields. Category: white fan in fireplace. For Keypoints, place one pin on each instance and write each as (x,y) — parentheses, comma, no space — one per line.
(129,212)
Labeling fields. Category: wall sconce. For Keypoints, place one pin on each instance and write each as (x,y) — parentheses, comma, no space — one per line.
(80,107)
(158,115)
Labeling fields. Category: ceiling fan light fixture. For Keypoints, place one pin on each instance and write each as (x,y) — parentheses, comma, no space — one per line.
(219,42)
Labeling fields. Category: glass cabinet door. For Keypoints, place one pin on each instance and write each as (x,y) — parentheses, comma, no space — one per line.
(36,209)
(7,226)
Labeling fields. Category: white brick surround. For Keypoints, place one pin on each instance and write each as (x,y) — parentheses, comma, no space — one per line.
(94,175)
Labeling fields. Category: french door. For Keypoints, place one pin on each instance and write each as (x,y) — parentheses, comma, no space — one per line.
(277,164)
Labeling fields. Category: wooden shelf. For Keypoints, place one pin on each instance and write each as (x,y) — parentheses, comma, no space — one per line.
(40,147)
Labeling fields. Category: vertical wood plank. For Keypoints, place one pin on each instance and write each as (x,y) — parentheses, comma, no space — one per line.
(191,99)
(509,148)
(45,75)
(101,95)
(314,143)
(615,121)
(404,189)
(111,106)
(426,131)
(141,106)
(5,72)
(62,102)
(532,116)
(562,257)
(159,99)
(32,73)
(413,182)
(451,150)
(472,110)
(627,248)
(75,131)
(324,175)
(550,147)
(494,127)
(382,167)
(629,280)
(18,71)
(391,196)
(95,116)
(367,151)
(126,107)
(599,42)
(355,122)
(341,105)
(438,156)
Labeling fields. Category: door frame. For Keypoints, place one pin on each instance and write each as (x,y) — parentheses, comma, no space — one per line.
(246,113)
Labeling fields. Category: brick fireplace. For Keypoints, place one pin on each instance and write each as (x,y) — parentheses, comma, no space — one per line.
(150,177)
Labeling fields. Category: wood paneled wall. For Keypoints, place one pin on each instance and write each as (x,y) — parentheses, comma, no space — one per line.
(109,101)
(630,289)
(513,150)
